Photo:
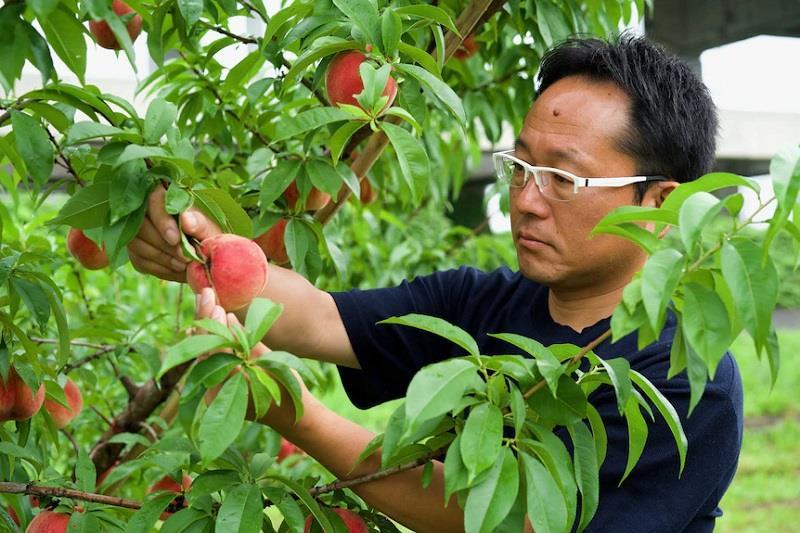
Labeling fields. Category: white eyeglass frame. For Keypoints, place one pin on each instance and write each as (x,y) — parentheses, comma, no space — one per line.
(578,181)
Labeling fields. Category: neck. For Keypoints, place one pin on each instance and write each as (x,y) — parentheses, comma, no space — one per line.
(582,309)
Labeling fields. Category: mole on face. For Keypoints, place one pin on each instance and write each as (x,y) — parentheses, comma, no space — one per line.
(556,112)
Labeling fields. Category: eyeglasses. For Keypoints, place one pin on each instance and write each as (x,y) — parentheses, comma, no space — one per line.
(554,183)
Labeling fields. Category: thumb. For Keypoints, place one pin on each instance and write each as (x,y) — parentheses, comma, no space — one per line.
(197,225)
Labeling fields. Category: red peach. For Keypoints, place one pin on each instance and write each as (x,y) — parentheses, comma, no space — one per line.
(288,448)
(272,242)
(354,523)
(168,484)
(467,49)
(237,266)
(48,522)
(63,415)
(17,401)
(85,250)
(103,34)
(343,80)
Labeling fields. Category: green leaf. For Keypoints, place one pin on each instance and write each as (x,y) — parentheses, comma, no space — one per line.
(586,471)
(212,201)
(546,361)
(129,188)
(242,72)
(420,56)
(708,183)
(14,44)
(660,276)
(547,510)
(261,315)
(190,11)
(412,157)
(35,300)
(695,214)
(617,370)
(340,138)
(177,199)
(307,499)
(39,53)
(309,120)
(439,327)
(323,176)
(84,472)
(481,439)
(88,208)
(224,418)
(83,131)
(241,511)
(599,433)
(34,146)
(146,517)
(43,8)
(635,213)
(567,407)
(437,388)
(160,116)
(706,323)
(281,17)
(667,411)
(754,287)
(189,348)
(455,473)
(636,234)
(637,436)
(391,29)
(438,88)
(434,13)
(322,47)
(490,501)
(364,15)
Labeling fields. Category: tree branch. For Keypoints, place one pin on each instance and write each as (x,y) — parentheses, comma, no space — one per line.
(59,492)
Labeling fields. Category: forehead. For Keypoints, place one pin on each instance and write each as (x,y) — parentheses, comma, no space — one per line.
(576,118)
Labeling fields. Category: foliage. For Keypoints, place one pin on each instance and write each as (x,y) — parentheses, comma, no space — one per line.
(230,141)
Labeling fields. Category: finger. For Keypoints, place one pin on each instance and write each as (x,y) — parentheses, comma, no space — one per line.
(199,226)
(163,221)
(207,303)
(146,266)
(232,320)
(218,314)
(145,250)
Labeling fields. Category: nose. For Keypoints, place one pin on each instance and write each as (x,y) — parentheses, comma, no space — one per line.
(529,200)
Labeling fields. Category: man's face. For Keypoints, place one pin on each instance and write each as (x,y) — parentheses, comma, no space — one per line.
(574,126)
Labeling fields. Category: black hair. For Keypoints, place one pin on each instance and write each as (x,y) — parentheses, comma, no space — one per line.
(673,121)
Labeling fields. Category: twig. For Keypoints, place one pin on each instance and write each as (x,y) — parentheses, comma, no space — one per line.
(59,492)
(342,484)
(68,163)
(39,340)
(130,387)
(101,415)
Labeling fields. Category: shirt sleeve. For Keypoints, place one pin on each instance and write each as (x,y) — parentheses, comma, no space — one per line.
(390,355)
(653,497)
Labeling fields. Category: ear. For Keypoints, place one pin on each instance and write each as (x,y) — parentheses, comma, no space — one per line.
(657,193)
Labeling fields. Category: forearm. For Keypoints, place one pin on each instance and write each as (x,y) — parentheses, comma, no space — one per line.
(310,325)
(337,442)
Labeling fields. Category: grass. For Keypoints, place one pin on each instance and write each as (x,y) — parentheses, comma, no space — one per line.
(765,494)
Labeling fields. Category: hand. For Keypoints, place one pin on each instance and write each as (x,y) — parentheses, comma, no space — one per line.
(156,248)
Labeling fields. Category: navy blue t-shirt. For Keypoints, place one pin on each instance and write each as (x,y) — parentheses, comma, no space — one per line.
(652,498)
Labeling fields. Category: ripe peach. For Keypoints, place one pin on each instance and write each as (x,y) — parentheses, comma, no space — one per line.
(272,242)
(168,484)
(103,34)
(343,81)
(316,199)
(287,448)
(48,522)
(237,267)
(354,523)
(63,415)
(17,401)
(85,250)
(467,49)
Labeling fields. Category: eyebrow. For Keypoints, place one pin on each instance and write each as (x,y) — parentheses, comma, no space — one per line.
(569,155)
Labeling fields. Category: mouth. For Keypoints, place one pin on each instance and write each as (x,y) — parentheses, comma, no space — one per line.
(530,241)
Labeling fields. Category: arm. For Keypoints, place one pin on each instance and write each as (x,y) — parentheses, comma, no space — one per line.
(310,325)
(337,442)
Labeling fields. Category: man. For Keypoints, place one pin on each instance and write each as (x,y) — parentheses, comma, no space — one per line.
(623,110)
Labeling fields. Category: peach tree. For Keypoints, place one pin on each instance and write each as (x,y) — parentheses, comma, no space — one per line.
(338,121)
